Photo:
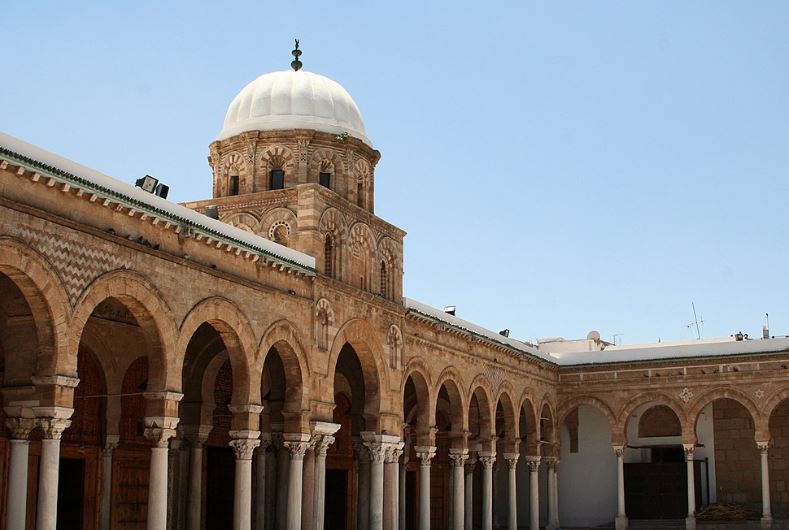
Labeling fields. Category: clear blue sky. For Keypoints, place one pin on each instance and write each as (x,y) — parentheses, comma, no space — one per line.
(558,166)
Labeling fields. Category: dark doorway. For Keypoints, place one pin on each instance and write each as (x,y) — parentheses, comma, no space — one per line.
(410,500)
(71,485)
(336,499)
(659,490)
(220,483)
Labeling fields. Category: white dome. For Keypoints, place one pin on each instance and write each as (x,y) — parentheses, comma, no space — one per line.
(294,100)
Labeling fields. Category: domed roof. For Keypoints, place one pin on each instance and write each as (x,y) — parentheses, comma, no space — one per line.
(294,100)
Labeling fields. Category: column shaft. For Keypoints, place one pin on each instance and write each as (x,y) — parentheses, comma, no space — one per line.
(487,460)
(49,468)
(16,507)
(765,465)
(459,497)
(242,498)
(261,461)
(401,484)
(376,493)
(390,495)
(425,454)
(106,484)
(308,490)
(283,463)
(690,521)
(468,493)
(363,493)
(534,492)
(295,470)
(512,462)
(319,502)
(195,486)
(157,489)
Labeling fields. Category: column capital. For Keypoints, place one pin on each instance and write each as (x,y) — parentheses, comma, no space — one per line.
(552,462)
(362,453)
(511,459)
(323,443)
(394,452)
(763,447)
(487,458)
(619,450)
(244,447)
(470,463)
(533,462)
(297,449)
(20,427)
(53,427)
(458,457)
(689,449)
(425,453)
(160,437)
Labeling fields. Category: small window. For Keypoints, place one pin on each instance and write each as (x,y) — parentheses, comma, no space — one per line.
(325,179)
(360,194)
(384,281)
(277,179)
(233,185)
(328,255)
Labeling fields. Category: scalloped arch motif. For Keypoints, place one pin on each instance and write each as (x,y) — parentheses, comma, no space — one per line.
(394,339)
(324,320)
(277,157)
(232,161)
(362,170)
(332,222)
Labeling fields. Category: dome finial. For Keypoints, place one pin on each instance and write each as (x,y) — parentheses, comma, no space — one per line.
(295,63)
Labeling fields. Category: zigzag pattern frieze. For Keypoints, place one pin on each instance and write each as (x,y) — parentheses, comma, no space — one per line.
(76,264)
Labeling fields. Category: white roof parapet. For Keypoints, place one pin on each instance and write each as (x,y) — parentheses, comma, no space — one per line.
(675,350)
(438,314)
(104,186)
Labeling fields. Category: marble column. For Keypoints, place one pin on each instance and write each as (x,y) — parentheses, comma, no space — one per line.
(392,487)
(319,503)
(157,481)
(468,493)
(401,519)
(376,506)
(534,492)
(767,516)
(458,459)
(512,467)
(308,486)
(621,517)
(363,486)
(552,464)
(111,442)
(487,459)
(243,444)
(690,521)
(297,448)
(425,454)
(261,482)
(49,472)
(196,436)
(16,500)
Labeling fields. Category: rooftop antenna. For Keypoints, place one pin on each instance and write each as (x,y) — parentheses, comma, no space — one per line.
(696,322)
(295,63)
(618,338)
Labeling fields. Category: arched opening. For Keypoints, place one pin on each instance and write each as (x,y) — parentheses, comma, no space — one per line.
(277,179)
(281,387)
(585,451)
(655,472)
(726,456)
(122,335)
(341,474)
(506,444)
(384,277)
(778,459)
(233,185)
(205,418)
(480,433)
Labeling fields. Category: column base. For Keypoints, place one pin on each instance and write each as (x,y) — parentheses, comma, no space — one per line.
(767,522)
(690,522)
(621,522)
